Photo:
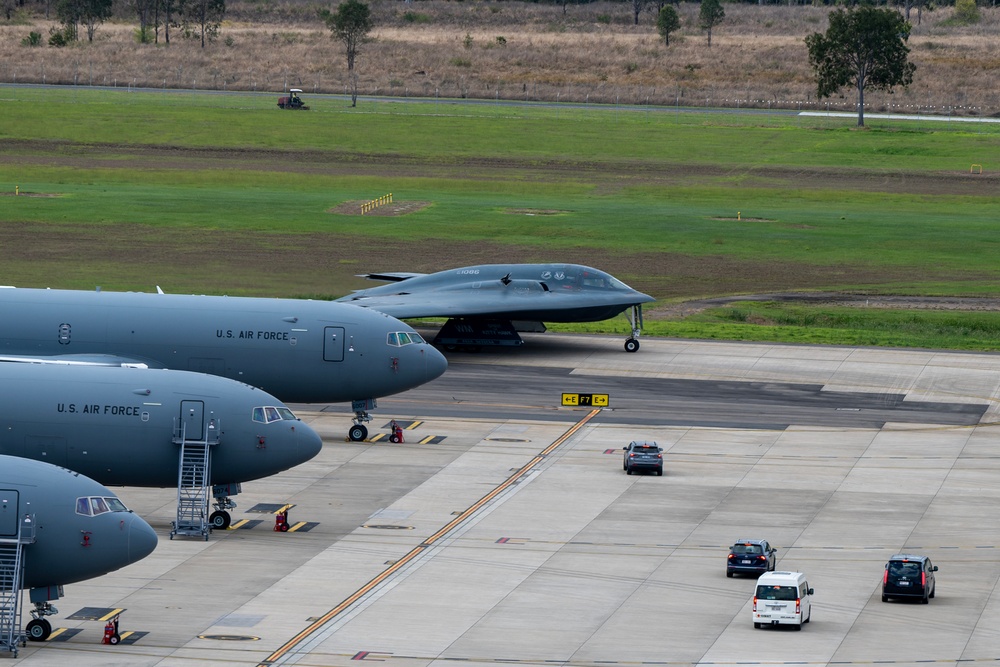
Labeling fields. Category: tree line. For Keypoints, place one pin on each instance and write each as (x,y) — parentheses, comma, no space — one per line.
(864,46)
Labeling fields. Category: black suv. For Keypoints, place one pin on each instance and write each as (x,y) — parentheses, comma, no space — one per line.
(908,576)
(643,455)
(750,557)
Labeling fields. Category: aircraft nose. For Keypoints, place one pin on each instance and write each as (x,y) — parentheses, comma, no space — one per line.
(308,441)
(434,363)
(141,538)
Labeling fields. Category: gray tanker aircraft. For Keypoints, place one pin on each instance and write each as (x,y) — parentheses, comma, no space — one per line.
(57,527)
(299,350)
(489,304)
(126,426)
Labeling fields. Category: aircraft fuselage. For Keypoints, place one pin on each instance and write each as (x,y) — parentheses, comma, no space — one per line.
(121,426)
(69,545)
(298,350)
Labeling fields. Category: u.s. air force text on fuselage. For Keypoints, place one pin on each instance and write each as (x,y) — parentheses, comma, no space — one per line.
(98,409)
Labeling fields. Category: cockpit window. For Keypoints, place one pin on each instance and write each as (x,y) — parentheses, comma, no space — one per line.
(96,505)
(401,338)
(267,414)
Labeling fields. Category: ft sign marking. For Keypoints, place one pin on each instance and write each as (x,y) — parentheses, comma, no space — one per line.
(594,400)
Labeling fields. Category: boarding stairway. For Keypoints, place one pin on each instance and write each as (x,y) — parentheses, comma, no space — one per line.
(194,475)
(11,580)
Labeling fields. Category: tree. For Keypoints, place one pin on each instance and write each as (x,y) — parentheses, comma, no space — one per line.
(864,47)
(93,13)
(637,6)
(351,24)
(667,22)
(711,15)
(206,14)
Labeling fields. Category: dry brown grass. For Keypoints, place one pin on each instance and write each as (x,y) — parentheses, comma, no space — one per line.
(593,53)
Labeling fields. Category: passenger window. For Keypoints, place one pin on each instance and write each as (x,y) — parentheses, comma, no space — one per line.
(83,506)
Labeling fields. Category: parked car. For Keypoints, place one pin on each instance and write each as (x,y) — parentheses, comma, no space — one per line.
(750,557)
(643,455)
(909,576)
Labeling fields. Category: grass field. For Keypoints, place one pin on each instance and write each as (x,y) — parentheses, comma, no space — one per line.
(224,193)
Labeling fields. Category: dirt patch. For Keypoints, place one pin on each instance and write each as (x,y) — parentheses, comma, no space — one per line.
(746,219)
(534,211)
(29,194)
(391,209)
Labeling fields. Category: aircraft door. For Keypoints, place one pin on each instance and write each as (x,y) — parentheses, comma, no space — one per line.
(333,344)
(193,418)
(8,513)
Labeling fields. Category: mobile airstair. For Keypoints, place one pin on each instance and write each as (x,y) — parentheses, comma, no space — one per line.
(194,475)
(11,579)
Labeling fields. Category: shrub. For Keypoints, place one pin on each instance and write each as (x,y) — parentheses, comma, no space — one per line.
(467,41)
(461,62)
(966,12)
(501,40)
(33,39)
(416,17)
(604,18)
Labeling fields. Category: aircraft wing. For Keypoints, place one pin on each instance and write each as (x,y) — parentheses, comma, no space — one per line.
(390,277)
(78,360)
(403,306)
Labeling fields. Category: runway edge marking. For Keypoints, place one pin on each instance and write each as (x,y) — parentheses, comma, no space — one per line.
(420,548)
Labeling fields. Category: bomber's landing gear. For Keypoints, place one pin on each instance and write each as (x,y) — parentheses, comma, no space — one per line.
(39,629)
(359,431)
(635,319)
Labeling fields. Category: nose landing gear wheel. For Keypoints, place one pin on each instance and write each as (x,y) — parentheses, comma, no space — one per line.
(220,520)
(357,433)
(38,629)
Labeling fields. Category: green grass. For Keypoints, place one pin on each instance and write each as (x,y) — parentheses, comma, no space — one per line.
(799,198)
(823,325)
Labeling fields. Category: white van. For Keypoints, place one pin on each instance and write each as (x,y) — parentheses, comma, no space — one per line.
(782,598)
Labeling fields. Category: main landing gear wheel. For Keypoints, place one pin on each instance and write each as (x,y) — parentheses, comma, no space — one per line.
(38,629)
(220,520)
(631,345)
(358,433)
(114,639)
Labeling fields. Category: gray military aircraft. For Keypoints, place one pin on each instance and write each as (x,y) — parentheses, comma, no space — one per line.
(299,350)
(489,304)
(128,426)
(58,527)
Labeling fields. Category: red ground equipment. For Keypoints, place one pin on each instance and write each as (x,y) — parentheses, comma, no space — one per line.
(395,432)
(111,635)
(292,101)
